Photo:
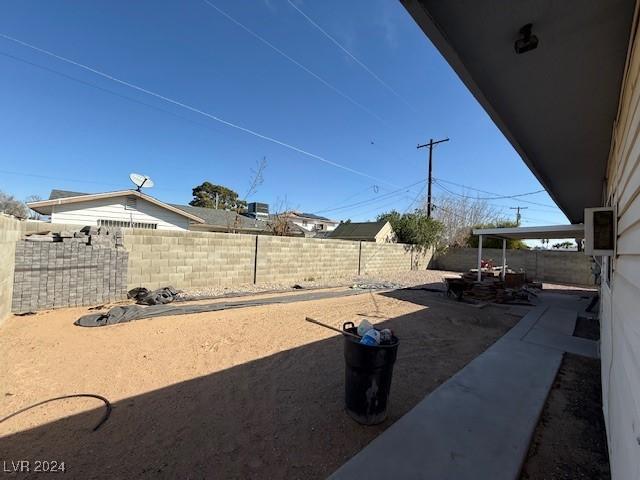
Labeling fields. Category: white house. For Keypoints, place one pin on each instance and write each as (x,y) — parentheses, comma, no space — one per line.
(561,81)
(310,222)
(125,208)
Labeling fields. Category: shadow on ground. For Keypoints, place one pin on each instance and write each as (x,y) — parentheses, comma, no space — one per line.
(276,417)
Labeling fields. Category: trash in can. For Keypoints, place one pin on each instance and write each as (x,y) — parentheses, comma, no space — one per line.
(368,372)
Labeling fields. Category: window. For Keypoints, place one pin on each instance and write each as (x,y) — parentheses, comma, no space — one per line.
(130,203)
(126,224)
(319,226)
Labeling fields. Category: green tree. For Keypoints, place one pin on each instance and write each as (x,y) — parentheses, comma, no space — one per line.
(414,228)
(208,195)
(488,242)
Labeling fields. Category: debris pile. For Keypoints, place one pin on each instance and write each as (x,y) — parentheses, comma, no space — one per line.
(161,296)
(376,286)
(491,288)
(95,236)
(69,269)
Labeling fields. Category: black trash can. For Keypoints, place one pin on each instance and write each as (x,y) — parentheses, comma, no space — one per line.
(368,372)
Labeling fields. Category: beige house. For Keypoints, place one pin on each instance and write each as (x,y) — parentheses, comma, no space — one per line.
(561,81)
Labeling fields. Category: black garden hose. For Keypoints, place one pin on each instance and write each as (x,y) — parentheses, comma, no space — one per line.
(104,418)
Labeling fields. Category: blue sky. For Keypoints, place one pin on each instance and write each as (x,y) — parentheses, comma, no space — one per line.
(65,127)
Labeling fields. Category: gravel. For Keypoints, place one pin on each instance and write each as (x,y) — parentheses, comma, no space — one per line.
(387,281)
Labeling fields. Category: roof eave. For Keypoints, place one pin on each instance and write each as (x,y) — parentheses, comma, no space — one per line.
(43,205)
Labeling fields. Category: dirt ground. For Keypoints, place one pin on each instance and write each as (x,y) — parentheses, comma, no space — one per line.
(249,393)
(570,440)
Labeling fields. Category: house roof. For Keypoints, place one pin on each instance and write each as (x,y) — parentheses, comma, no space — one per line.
(310,216)
(225,218)
(358,231)
(62,197)
(55,194)
(555,104)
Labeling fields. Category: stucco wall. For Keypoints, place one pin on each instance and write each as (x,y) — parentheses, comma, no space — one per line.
(543,265)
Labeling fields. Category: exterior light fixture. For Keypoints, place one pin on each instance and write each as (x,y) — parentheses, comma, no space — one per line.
(527,40)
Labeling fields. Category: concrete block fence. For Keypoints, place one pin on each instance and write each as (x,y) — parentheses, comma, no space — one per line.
(198,259)
(543,265)
(75,272)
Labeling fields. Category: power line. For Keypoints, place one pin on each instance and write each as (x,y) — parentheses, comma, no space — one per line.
(295,62)
(351,197)
(374,199)
(506,207)
(493,193)
(105,90)
(501,197)
(195,110)
(46,177)
(352,56)
(378,208)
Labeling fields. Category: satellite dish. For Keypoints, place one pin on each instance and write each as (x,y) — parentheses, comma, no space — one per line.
(141,181)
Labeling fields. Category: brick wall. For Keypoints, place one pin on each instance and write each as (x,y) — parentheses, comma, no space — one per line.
(543,265)
(11,230)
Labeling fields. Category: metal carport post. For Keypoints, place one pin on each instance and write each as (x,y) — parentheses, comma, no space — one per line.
(504,258)
(479,257)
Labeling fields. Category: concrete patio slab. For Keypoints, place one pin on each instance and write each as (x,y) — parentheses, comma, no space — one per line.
(563,343)
(480,422)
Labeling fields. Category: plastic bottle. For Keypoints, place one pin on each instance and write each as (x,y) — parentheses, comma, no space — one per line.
(364,327)
(372,337)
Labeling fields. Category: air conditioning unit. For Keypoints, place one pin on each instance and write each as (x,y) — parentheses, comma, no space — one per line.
(600,231)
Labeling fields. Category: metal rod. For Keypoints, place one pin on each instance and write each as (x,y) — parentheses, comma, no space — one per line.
(479,258)
(504,259)
(348,334)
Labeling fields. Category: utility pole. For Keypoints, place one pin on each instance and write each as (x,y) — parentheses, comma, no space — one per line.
(430,145)
(518,216)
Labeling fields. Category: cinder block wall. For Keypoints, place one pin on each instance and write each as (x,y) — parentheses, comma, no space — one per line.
(382,258)
(11,230)
(543,265)
(203,259)
(288,259)
(158,258)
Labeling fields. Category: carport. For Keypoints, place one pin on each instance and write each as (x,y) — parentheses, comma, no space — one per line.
(524,233)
